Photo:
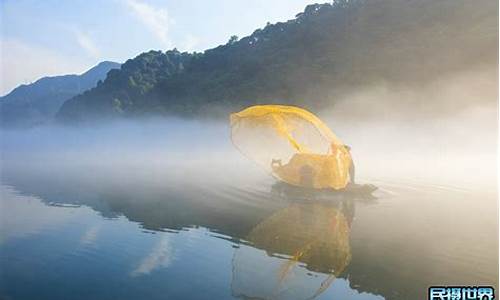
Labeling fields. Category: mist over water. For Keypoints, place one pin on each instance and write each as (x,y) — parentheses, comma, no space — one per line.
(443,131)
(456,151)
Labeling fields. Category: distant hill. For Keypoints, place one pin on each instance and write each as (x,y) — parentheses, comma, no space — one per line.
(36,103)
(310,60)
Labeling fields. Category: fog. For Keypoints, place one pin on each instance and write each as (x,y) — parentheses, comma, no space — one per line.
(442,132)
(458,151)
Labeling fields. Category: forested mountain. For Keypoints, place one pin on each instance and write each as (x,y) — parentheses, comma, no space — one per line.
(310,60)
(38,102)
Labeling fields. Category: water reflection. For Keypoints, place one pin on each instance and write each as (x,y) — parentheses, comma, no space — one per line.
(306,248)
(169,205)
(156,233)
(159,257)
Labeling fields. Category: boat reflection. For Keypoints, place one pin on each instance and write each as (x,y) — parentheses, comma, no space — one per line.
(305,247)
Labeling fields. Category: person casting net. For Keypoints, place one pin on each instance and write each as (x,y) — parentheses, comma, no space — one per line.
(292,144)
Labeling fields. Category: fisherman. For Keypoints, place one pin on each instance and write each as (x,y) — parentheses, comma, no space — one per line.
(352,170)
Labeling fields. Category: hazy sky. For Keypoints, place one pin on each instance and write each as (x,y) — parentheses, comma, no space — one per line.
(52,37)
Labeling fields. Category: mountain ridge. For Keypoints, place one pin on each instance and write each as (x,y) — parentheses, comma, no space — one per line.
(36,103)
(307,61)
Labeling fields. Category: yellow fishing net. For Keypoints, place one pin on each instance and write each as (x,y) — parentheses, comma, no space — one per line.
(293,144)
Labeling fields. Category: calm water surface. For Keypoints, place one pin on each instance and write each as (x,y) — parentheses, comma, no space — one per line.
(210,230)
